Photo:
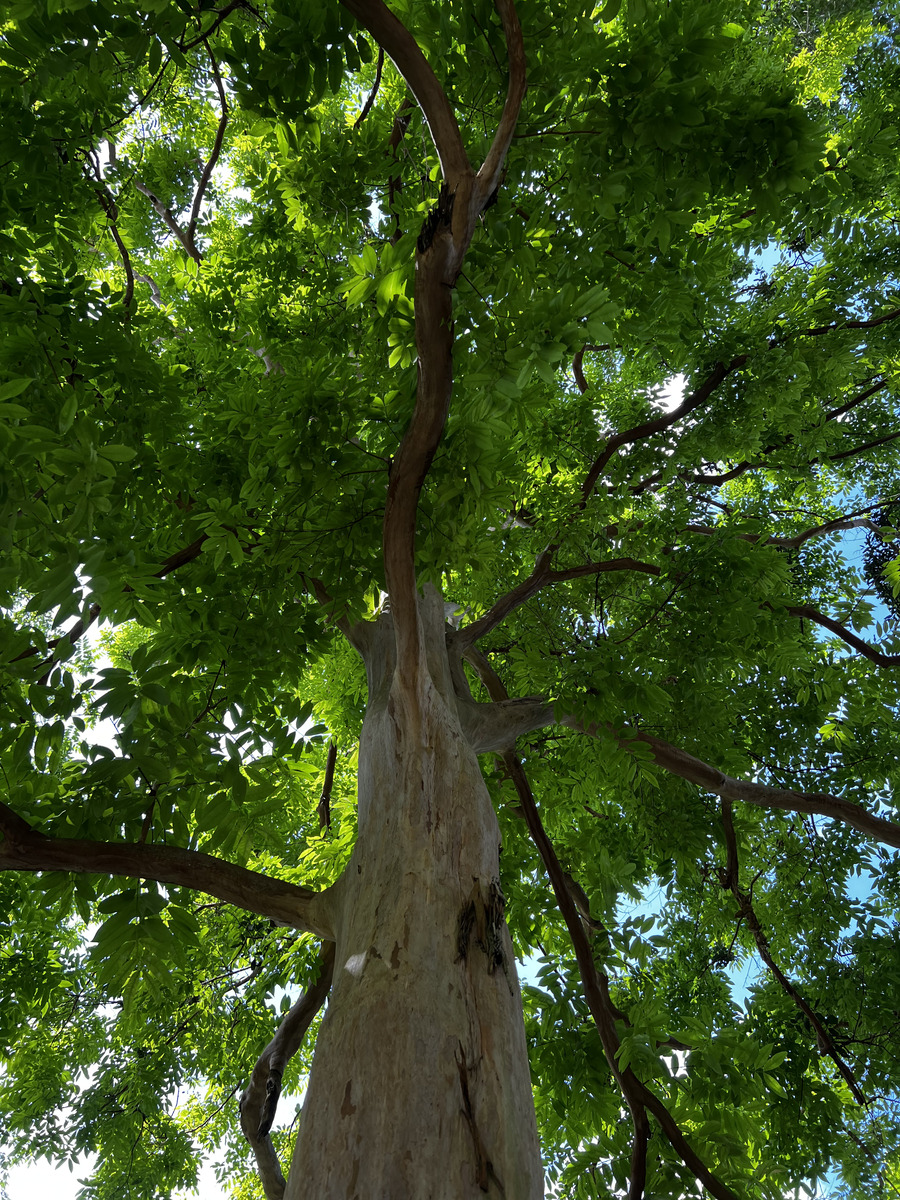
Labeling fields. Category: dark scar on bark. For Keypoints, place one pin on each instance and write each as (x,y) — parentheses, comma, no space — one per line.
(482,915)
(484,1168)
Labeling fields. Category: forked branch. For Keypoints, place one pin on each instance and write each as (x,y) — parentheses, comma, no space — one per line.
(260,1098)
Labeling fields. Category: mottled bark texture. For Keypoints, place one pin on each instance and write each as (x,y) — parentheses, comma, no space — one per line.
(420,1083)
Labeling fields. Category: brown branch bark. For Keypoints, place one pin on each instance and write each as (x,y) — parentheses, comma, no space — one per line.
(695,400)
(729,879)
(541,576)
(711,779)
(876,656)
(25,849)
(639,1098)
(260,1097)
(213,157)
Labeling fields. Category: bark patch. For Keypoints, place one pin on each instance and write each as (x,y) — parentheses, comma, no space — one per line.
(481,917)
(347,1109)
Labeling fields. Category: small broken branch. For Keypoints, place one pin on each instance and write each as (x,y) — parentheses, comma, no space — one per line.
(324,806)
(260,1098)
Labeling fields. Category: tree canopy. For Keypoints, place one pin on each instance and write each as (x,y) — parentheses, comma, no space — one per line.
(214,250)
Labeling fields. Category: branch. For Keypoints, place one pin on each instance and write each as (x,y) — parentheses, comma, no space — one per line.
(324,806)
(720,372)
(112,213)
(729,878)
(260,1097)
(220,17)
(391,34)
(796,540)
(214,155)
(488,178)
(637,1095)
(711,779)
(863,648)
(540,577)
(870,324)
(178,559)
(168,219)
(367,107)
(25,849)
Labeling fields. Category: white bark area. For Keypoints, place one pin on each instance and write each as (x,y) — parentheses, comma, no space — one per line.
(420,1085)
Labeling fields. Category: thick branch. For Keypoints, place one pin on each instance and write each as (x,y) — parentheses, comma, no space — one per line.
(711,779)
(24,849)
(213,158)
(729,878)
(540,577)
(390,33)
(637,1095)
(488,178)
(876,656)
(260,1097)
(720,372)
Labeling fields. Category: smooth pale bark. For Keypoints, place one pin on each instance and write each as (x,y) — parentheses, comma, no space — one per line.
(420,1083)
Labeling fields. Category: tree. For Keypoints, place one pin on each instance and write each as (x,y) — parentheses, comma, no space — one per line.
(335,337)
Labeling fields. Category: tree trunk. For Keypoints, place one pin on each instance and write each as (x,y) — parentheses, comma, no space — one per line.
(420,1084)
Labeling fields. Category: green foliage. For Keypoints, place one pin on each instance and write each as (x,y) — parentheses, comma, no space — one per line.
(194,437)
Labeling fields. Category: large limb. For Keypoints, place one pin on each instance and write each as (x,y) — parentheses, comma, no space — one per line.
(639,1098)
(260,1097)
(711,779)
(441,248)
(25,849)
(729,878)
(541,576)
